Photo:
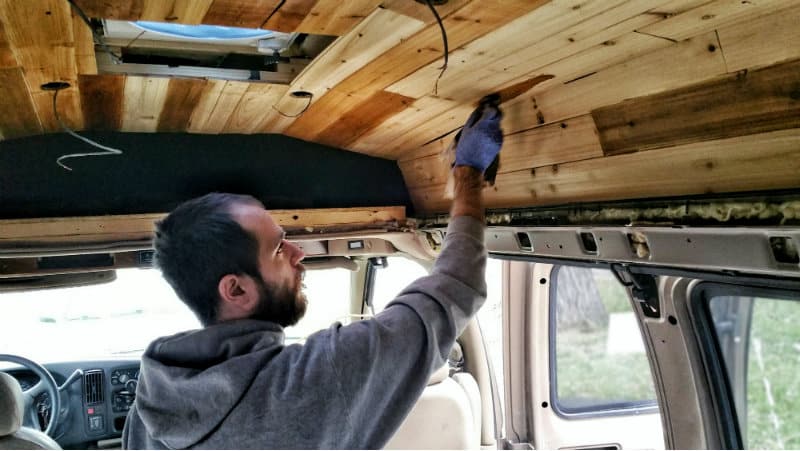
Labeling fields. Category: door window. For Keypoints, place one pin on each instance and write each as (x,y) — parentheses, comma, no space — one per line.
(599,364)
(759,339)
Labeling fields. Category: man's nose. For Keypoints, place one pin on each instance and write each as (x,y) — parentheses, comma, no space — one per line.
(297,253)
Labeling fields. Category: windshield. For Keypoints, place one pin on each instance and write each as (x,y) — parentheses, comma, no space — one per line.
(122,317)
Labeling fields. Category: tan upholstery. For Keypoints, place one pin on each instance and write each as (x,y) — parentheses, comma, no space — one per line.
(447,416)
(12,434)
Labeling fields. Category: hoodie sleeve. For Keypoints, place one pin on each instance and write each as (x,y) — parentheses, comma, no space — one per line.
(382,365)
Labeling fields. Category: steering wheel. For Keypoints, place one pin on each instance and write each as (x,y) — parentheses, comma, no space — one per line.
(47,385)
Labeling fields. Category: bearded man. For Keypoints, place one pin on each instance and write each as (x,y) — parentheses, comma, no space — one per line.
(234,384)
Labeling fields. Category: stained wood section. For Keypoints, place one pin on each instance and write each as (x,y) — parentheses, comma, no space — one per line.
(363,118)
(772,161)
(179,11)
(131,227)
(712,15)
(84,46)
(761,42)
(217,102)
(743,104)
(468,23)
(101,100)
(337,17)
(19,117)
(676,65)
(144,100)
(255,108)
(381,31)
(69,109)
(7,58)
(236,13)
(117,10)
(183,95)
(289,17)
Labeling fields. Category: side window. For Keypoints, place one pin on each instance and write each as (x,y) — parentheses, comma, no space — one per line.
(390,281)
(759,340)
(328,294)
(598,358)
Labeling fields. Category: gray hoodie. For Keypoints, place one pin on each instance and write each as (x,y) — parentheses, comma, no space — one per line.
(236,385)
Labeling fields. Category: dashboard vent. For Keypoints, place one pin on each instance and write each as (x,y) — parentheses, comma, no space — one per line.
(93,387)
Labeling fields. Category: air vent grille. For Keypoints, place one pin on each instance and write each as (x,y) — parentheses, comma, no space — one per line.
(93,382)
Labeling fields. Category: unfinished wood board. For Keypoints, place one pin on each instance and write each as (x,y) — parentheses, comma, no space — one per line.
(101,100)
(742,104)
(235,13)
(421,11)
(255,108)
(713,15)
(767,40)
(7,58)
(183,95)
(468,23)
(484,63)
(676,65)
(571,140)
(363,118)
(14,97)
(337,17)
(143,102)
(111,227)
(69,109)
(85,59)
(381,31)
(117,9)
(218,101)
(447,124)
(772,161)
(289,17)
(175,11)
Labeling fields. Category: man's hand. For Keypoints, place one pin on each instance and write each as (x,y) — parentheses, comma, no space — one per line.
(479,142)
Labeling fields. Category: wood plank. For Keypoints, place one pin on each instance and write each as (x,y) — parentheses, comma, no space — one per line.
(444,124)
(289,17)
(337,17)
(713,15)
(189,12)
(117,9)
(183,95)
(84,47)
(772,161)
(571,140)
(363,118)
(381,31)
(143,102)
(742,104)
(217,103)
(691,61)
(14,97)
(69,109)
(7,58)
(101,100)
(255,108)
(468,23)
(110,227)
(421,11)
(763,41)
(382,141)
(236,13)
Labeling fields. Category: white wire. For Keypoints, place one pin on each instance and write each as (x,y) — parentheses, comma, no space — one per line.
(106,150)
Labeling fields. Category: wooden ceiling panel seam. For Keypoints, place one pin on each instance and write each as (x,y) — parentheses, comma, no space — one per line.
(15,96)
(761,42)
(289,16)
(183,95)
(360,120)
(143,102)
(236,13)
(773,161)
(224,106)
(467,24)
(254,109)
(336,17)
(102,98)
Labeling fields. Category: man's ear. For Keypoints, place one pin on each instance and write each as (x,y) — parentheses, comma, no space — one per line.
(238,295)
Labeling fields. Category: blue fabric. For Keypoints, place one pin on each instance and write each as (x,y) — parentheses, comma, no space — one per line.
(236,385)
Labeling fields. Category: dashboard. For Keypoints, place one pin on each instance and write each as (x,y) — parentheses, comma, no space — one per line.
(94,407)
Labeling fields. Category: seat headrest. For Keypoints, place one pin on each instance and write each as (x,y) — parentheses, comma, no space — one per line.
(11,405)
(439,375)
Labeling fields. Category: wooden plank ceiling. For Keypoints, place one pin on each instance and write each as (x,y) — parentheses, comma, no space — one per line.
(614,99)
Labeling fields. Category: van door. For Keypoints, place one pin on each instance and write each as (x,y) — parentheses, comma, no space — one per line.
(577,361)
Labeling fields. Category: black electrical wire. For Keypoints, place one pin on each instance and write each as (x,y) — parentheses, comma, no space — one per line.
(272,13)
(98,38)
(446,46)
(310,97)
(105,149)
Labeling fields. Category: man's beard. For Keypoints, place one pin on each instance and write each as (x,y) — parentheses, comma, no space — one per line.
(282,305)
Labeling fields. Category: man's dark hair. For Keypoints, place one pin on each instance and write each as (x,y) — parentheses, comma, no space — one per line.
(199,243)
